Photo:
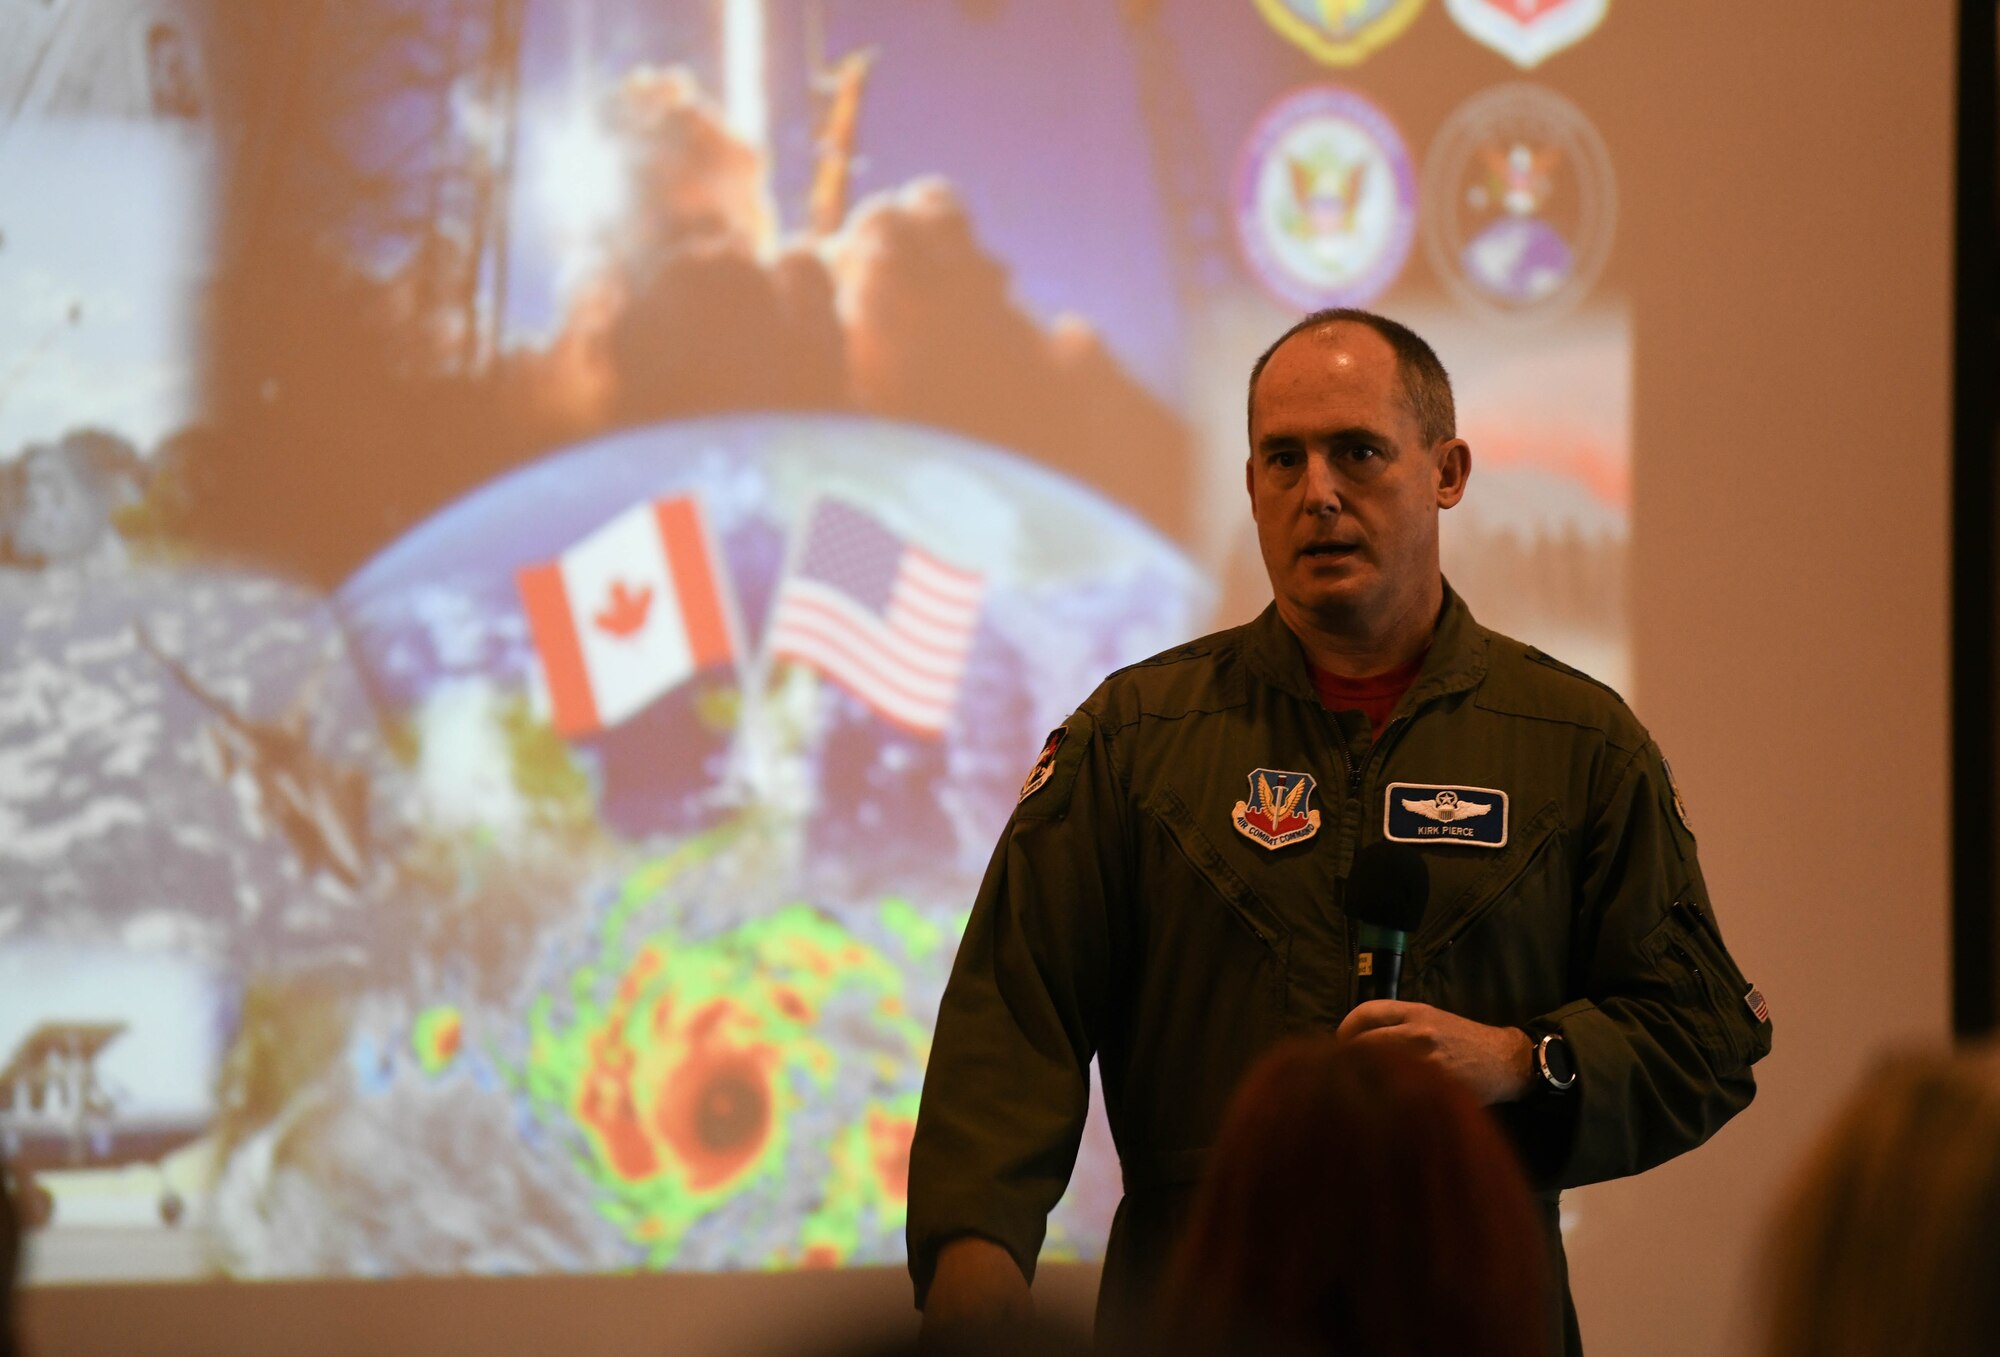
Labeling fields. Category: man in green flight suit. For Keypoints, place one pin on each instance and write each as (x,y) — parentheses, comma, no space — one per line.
(1168,895)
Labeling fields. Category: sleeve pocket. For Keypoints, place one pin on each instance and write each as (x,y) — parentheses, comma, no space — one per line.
(1710,990)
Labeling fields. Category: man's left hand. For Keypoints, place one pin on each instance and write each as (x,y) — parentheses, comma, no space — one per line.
(1496,1063)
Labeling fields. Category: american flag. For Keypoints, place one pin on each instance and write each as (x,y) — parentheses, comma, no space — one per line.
(886,620)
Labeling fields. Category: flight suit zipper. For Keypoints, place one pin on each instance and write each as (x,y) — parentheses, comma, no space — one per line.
(1351,779)
(1378,751)
(1355,769)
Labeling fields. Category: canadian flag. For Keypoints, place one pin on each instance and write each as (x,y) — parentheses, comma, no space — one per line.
(627,614)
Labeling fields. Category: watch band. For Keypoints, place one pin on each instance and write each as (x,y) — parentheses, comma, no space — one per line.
(1550,1079)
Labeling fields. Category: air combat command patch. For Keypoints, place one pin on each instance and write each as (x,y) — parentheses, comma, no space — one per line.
(1279,811)
(1421,812)
(1528,32)
(1340,32)
(1325,199)
(1045,764)
(1519,203)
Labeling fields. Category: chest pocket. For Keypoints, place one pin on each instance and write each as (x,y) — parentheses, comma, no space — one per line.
(1495,944)
(1215,870)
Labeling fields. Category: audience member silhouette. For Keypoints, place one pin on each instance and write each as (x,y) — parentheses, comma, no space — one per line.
(1889,1240)
(1360,1203)
(10,1263)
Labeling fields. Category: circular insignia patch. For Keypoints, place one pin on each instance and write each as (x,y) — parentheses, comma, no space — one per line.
(1340,34)
(1325,199)
(1528,32)
(1519,203)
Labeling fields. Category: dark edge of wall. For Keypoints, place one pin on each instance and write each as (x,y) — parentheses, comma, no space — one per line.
(1975,519)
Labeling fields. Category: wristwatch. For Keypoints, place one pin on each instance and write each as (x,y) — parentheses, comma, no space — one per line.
(1553,1062)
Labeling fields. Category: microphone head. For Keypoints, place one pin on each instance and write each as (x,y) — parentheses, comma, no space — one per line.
(1388,887)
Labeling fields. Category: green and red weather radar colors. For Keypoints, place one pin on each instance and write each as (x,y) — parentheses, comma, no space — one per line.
(683,1079)
(437,1036)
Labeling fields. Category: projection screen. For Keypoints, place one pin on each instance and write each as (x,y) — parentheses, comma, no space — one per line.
(542,536)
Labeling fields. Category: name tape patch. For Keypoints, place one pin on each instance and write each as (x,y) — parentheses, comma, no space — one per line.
(1423,812)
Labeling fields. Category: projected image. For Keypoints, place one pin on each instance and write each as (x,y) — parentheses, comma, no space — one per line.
(534,570)
(109,1109)
(712,725)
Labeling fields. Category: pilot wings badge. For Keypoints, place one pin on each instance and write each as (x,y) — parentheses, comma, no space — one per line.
(1425,813)
(1446,807)
(1277,812)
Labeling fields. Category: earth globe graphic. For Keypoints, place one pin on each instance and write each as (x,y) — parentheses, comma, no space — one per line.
(780,872)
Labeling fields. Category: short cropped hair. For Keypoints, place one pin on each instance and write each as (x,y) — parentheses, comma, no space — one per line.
(1426,385)
(10,1263)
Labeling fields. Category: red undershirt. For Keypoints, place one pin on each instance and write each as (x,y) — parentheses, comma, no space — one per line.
(1375,696)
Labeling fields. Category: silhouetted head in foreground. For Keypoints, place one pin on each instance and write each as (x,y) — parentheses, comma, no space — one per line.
(1360,1202)
(10,1264)
(1889,1241)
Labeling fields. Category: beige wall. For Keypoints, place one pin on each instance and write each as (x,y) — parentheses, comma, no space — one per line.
(1787,209)
(1791,581)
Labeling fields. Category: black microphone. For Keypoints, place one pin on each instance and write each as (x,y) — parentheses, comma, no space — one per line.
(1385,897)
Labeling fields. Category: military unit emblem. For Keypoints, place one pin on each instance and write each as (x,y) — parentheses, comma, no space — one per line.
(1340,32)
(1422,813)
(1528,32)
(1325,199)
(1045,764)
(1279,810)
(1520,203)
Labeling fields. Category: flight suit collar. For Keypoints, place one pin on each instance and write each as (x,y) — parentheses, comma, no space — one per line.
(1457,659)
(1455,663)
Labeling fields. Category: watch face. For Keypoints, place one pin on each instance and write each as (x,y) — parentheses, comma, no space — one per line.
(1557,1066)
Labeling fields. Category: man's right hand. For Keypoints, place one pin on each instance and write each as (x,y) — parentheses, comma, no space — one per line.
(976,1290)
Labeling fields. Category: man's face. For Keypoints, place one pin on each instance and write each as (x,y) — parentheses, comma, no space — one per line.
(1344,489)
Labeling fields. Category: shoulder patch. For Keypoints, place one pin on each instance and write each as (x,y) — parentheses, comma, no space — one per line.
(1673,807)
(1543,658)
(1674,788)
(1045,795)
(1038,776)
